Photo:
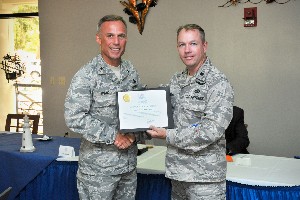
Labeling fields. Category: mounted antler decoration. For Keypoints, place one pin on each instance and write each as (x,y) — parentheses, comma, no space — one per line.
(137,12)
(235,2)
(12,67)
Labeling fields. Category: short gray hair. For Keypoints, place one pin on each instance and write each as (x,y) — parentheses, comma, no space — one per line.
(107,18)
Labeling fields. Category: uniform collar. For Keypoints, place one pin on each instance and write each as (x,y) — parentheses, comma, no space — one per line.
(199,77)
(103,69)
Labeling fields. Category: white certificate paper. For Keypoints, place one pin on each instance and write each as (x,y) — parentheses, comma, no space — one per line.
(140,109)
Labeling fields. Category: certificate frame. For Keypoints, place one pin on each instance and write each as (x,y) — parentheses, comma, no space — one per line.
(166,113)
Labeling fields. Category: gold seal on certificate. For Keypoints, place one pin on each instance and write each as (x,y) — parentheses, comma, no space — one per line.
(126,97)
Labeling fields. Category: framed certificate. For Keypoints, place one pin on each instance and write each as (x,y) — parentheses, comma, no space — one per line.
(137,110)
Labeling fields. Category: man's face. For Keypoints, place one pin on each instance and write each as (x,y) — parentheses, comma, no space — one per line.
(191,49)
(112,39)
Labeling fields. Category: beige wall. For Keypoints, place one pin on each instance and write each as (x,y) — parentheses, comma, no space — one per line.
(262,63)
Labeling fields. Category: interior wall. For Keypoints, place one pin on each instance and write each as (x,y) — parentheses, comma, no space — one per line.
(262,63)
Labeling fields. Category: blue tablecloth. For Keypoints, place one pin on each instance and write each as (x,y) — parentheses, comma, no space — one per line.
(38,176)
(58,181)
(238,191)
(21,168)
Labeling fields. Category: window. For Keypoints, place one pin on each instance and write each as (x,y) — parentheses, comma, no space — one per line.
(23,37)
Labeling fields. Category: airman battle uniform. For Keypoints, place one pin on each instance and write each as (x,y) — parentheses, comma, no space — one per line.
(91,110)
(202,110)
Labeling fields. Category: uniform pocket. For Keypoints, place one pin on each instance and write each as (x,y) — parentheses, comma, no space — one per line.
(104,99)
(193,110)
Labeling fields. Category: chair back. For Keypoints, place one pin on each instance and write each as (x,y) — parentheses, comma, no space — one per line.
(4,195)
(18,118)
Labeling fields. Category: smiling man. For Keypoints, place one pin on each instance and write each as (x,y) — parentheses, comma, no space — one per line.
(107,158)
(112,39)
(202,100)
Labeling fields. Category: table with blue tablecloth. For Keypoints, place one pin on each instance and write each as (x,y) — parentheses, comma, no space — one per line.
(249,177)
(39,175)
(18,169)
(263,177)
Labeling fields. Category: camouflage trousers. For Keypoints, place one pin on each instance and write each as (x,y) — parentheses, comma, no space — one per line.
(198,191)
(107,187)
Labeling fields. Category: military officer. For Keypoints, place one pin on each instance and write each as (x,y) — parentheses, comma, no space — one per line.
(107,158)
(202,101)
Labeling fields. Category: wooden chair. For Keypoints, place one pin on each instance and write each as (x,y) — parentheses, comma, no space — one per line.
(4,195)
(19,118)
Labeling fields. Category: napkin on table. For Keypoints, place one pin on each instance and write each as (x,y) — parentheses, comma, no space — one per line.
(66,151)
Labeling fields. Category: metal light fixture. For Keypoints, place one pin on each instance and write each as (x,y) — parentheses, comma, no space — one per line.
(137,11)
(236,2)
(12,67)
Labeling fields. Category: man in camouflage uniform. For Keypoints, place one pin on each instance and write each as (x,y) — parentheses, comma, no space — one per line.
(202,101)
(107,159)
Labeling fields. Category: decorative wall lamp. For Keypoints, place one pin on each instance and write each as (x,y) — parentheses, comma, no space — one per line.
(137,12)
(250,17)
(12,67)
(236,2)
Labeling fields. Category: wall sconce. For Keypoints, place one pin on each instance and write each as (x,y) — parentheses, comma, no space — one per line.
(12,67)
(236,2)
(137,12)
(250,17)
